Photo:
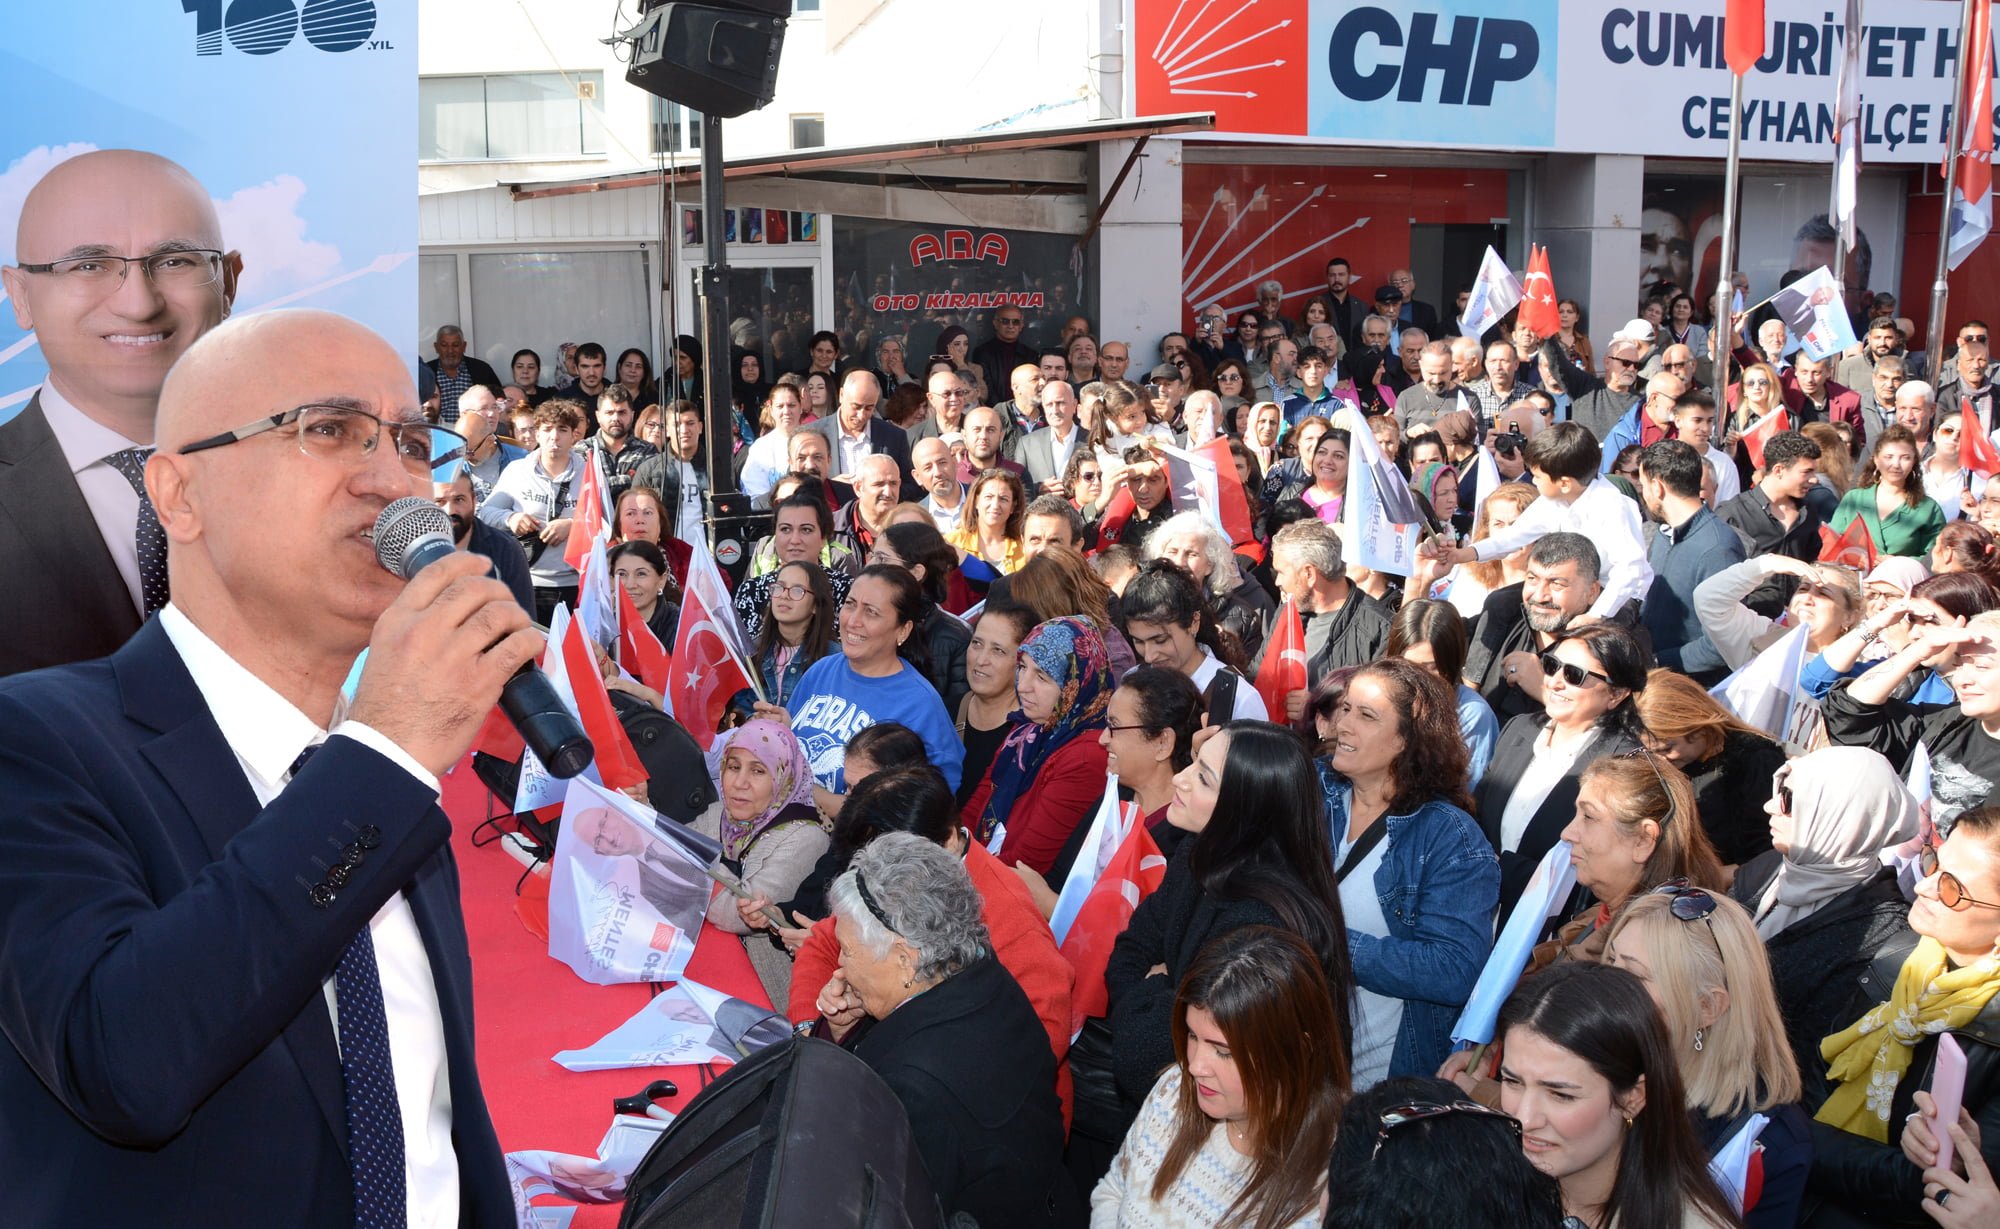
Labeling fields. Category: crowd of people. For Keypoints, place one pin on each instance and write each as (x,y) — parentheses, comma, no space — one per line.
(979,598)
(971,607)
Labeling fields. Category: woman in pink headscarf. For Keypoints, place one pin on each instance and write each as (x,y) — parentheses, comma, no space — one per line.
(771,833)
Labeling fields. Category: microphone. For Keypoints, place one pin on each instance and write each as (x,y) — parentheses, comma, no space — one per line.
(410,535)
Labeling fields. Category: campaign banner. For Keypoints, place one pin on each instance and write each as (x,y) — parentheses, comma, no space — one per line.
(1535,75)
(1381,525)
(625,899)
(1815,312)
(687,1024)
(296,123)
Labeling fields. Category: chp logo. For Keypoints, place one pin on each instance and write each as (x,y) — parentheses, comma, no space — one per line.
(1430,72)
(262,27)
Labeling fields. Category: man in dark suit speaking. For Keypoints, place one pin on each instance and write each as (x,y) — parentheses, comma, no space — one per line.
(233,972)
(121,265)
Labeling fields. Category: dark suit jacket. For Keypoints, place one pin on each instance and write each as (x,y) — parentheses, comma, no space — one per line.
(1036,453)
(171,1059)
(480,371)
(62,599)
(1511,757)
(888,440)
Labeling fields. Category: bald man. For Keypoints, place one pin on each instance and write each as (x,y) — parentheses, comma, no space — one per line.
(214,865)
(82,569)
(854,431)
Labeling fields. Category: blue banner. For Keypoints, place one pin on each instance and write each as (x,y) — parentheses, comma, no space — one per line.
(296,118)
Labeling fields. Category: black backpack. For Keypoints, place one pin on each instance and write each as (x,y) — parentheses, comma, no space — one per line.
(799,1133)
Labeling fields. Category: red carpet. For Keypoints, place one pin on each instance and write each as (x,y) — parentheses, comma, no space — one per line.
(529,1007)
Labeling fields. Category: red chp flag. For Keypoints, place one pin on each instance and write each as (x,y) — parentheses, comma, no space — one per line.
(1538,297)
(1854,548)
(1231,501)
(592,517)
(1758,433)
(1284,668)
(1975,447)
(617,760)
(706,671)
(639,650)
(1133,874)
(1743,35)
(1120,510)
(1972,184)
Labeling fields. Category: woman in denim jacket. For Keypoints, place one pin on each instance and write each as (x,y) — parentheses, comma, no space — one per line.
(1418,880)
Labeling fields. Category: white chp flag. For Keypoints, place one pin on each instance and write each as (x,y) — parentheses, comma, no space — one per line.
(1760,693)
(1194,486)
(1108,830)
(1495,292)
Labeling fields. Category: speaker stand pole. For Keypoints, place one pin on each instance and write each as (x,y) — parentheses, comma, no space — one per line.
(719,429)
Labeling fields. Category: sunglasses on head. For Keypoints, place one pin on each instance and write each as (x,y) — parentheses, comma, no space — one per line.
(1572,673)
(1951,893)
(1668,794)
(1687,902)
(1422,1111)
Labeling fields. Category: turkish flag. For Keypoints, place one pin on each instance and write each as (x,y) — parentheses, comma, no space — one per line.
(1284,668)
(1231,502)
(705,671)
(1132,874)
(617,760)
(1755,435)
(1111,526)
(1743,35)
(639,650)
(592,516)
(1538,297)
(1975,447)
(1854,549)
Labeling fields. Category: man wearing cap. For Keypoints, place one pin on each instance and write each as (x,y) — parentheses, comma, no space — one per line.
(1389,304)
(1173,388)
(1424,403)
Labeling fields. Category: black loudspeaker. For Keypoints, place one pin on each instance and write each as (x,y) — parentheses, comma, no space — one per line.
(718,59)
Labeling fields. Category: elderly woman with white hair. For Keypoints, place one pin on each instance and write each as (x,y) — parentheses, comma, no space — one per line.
(1238,602)
(920,997)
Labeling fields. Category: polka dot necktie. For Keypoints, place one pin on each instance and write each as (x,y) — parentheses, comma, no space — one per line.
(374,1118)
(152,540)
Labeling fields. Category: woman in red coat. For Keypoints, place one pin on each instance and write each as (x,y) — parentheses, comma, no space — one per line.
(1049,775)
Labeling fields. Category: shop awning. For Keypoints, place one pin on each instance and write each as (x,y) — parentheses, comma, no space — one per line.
(1041,161)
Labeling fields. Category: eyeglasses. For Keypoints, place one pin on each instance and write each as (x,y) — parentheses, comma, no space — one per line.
(1116,728)
(1089,475)
(179,269)
(1757,382)
(349,436)
(1422,1111)
(1622,362)
(1951,893)
(793,592)
(1572,673)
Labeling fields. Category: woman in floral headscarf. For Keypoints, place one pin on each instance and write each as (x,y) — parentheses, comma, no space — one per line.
(1438,485)
(1049,774)
(771,833)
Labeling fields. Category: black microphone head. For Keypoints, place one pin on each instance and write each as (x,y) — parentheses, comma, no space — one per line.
(404,526)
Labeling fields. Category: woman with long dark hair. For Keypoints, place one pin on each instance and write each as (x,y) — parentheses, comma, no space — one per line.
(635,372)
(1417,880)
(1890,499)
(797,628)
(1241,1119)
(920,548)
(1260,859)
(1590,1073)
(1432,634)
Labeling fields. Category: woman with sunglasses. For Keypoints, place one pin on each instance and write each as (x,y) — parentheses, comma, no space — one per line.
(1396,1137)
(1754,396)
(1945,477)
(1872,1133)
(1890,499)
(1417,881)
(1529,791)
(1232,379)
(1822,899)
(1588,1068)
(1236,1130)
(1703,964)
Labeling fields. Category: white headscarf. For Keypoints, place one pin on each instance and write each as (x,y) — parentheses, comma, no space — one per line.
(1848,805)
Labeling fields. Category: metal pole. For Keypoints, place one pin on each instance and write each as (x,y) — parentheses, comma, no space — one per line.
(1833,218)
(719,425)
(1941,285)
(1725,289)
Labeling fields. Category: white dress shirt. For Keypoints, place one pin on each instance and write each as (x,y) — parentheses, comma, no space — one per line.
(1728,483)
(1611,522)
(852,449)
(1060,449)
(113,504)
(267,733)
